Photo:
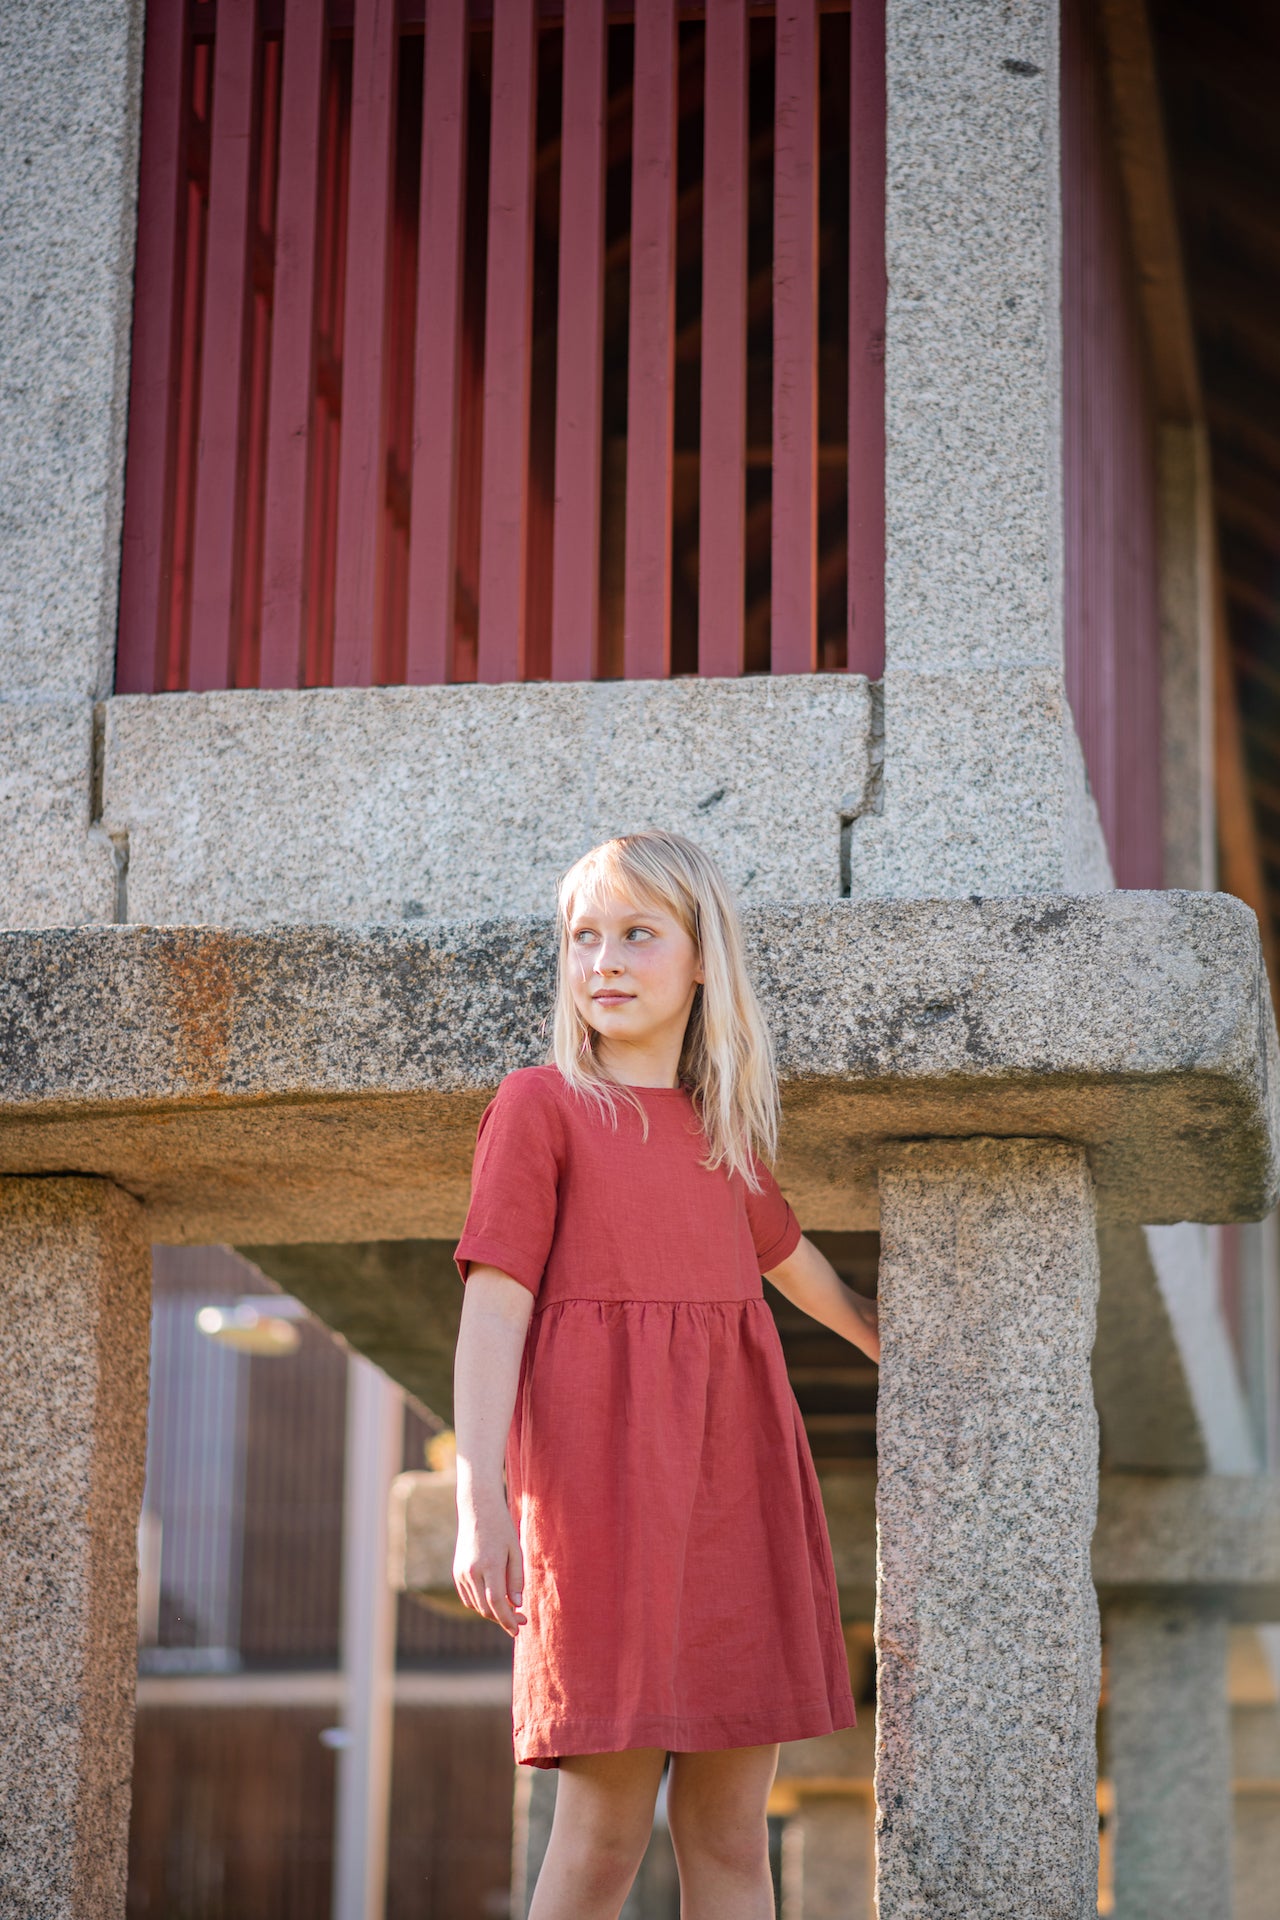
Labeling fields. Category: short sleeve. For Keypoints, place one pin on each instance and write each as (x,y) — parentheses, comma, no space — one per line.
(515,1177)
(774,1227)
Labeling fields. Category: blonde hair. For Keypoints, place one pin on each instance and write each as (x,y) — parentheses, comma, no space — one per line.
(727,1059)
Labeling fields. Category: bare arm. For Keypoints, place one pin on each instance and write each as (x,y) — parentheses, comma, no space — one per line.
(487,1569)
(810,1282)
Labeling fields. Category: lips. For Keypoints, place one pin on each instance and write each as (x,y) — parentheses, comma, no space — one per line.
(610,998)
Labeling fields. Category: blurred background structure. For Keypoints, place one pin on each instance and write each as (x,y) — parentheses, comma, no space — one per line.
(439,434)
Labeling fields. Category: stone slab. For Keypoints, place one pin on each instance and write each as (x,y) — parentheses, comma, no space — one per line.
(397,1302)
(1207,1540)
(75,1290)
(409,804)
(321,1083)
(983,790)
(59,865)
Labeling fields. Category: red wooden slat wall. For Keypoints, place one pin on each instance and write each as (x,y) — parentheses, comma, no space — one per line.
(413,273)
(1110,485)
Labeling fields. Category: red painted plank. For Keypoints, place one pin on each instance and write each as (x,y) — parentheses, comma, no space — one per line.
(284,568)
(1111,613)
(794,602)
(575,601)
(651,358)
(508,321)
(433,511)
(867,295)
(358,588)
(216,554)
(723,431)
(153,388)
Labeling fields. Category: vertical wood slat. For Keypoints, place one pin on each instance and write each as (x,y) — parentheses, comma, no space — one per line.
(868,288)
(215,564)
(723,429)
(153,370)
(433,509)
(504,503)
(358,588)
(284,569)
(794,598)
(575,602)
(646,640)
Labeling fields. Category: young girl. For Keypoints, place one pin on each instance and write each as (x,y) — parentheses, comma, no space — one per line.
(663,1565)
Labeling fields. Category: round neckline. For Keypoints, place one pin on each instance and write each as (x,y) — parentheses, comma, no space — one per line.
(682,1091)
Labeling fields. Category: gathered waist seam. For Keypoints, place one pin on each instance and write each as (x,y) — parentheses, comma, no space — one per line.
(643,1300)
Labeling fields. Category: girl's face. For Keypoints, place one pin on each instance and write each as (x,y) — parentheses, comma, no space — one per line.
(632,971)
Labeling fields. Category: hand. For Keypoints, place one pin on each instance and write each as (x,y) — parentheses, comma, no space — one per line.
(488,1567)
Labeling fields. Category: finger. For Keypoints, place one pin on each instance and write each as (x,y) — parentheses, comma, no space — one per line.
(500,1609)
(515,1577)
(471,1587)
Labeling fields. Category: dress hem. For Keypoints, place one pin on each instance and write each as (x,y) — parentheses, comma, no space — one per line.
(541,1744)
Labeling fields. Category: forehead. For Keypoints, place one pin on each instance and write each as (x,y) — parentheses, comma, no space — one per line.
(605,904)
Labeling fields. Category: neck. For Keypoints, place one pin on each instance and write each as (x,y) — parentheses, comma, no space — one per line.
(641,1067)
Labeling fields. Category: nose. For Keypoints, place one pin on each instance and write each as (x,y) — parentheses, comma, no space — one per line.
(605,963)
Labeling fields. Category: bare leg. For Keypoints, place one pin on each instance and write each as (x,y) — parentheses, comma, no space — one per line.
(602,1823)
(716,1812)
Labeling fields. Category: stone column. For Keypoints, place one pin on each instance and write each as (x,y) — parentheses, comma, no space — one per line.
(829,1857)
(1168,1734)
(986,1616)
(68,199)
(75,1289)
(983,788)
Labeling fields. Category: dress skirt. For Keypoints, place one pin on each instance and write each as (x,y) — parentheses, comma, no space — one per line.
(679,1583)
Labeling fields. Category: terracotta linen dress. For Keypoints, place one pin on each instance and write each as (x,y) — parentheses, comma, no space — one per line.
(678,1578)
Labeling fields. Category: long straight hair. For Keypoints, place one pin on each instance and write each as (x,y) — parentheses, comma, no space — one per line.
(727,1059)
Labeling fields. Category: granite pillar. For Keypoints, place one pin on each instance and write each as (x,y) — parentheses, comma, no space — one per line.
(74,1337)
(986,1617)
(829,1857)
(1169,1755)
(984,789)
(69,137)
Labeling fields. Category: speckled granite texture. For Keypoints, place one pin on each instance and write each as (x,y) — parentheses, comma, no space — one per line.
(75,1280)
(987,1622)
(419,803)
(314,1083)
(1168,1734)
(983,789)
(68,187)
(59,867)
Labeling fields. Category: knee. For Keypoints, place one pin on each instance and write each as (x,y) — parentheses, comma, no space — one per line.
(603,1860)
(734,1846)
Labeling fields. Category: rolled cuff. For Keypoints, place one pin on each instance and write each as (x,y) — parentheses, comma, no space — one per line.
(475,1249)
(784,1246)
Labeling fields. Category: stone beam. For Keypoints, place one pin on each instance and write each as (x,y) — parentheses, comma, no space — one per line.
(1206,1540)
(397,1302)
(1211,1540)
(289,1083)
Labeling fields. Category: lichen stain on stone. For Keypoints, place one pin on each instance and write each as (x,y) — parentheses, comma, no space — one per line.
(201,974)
